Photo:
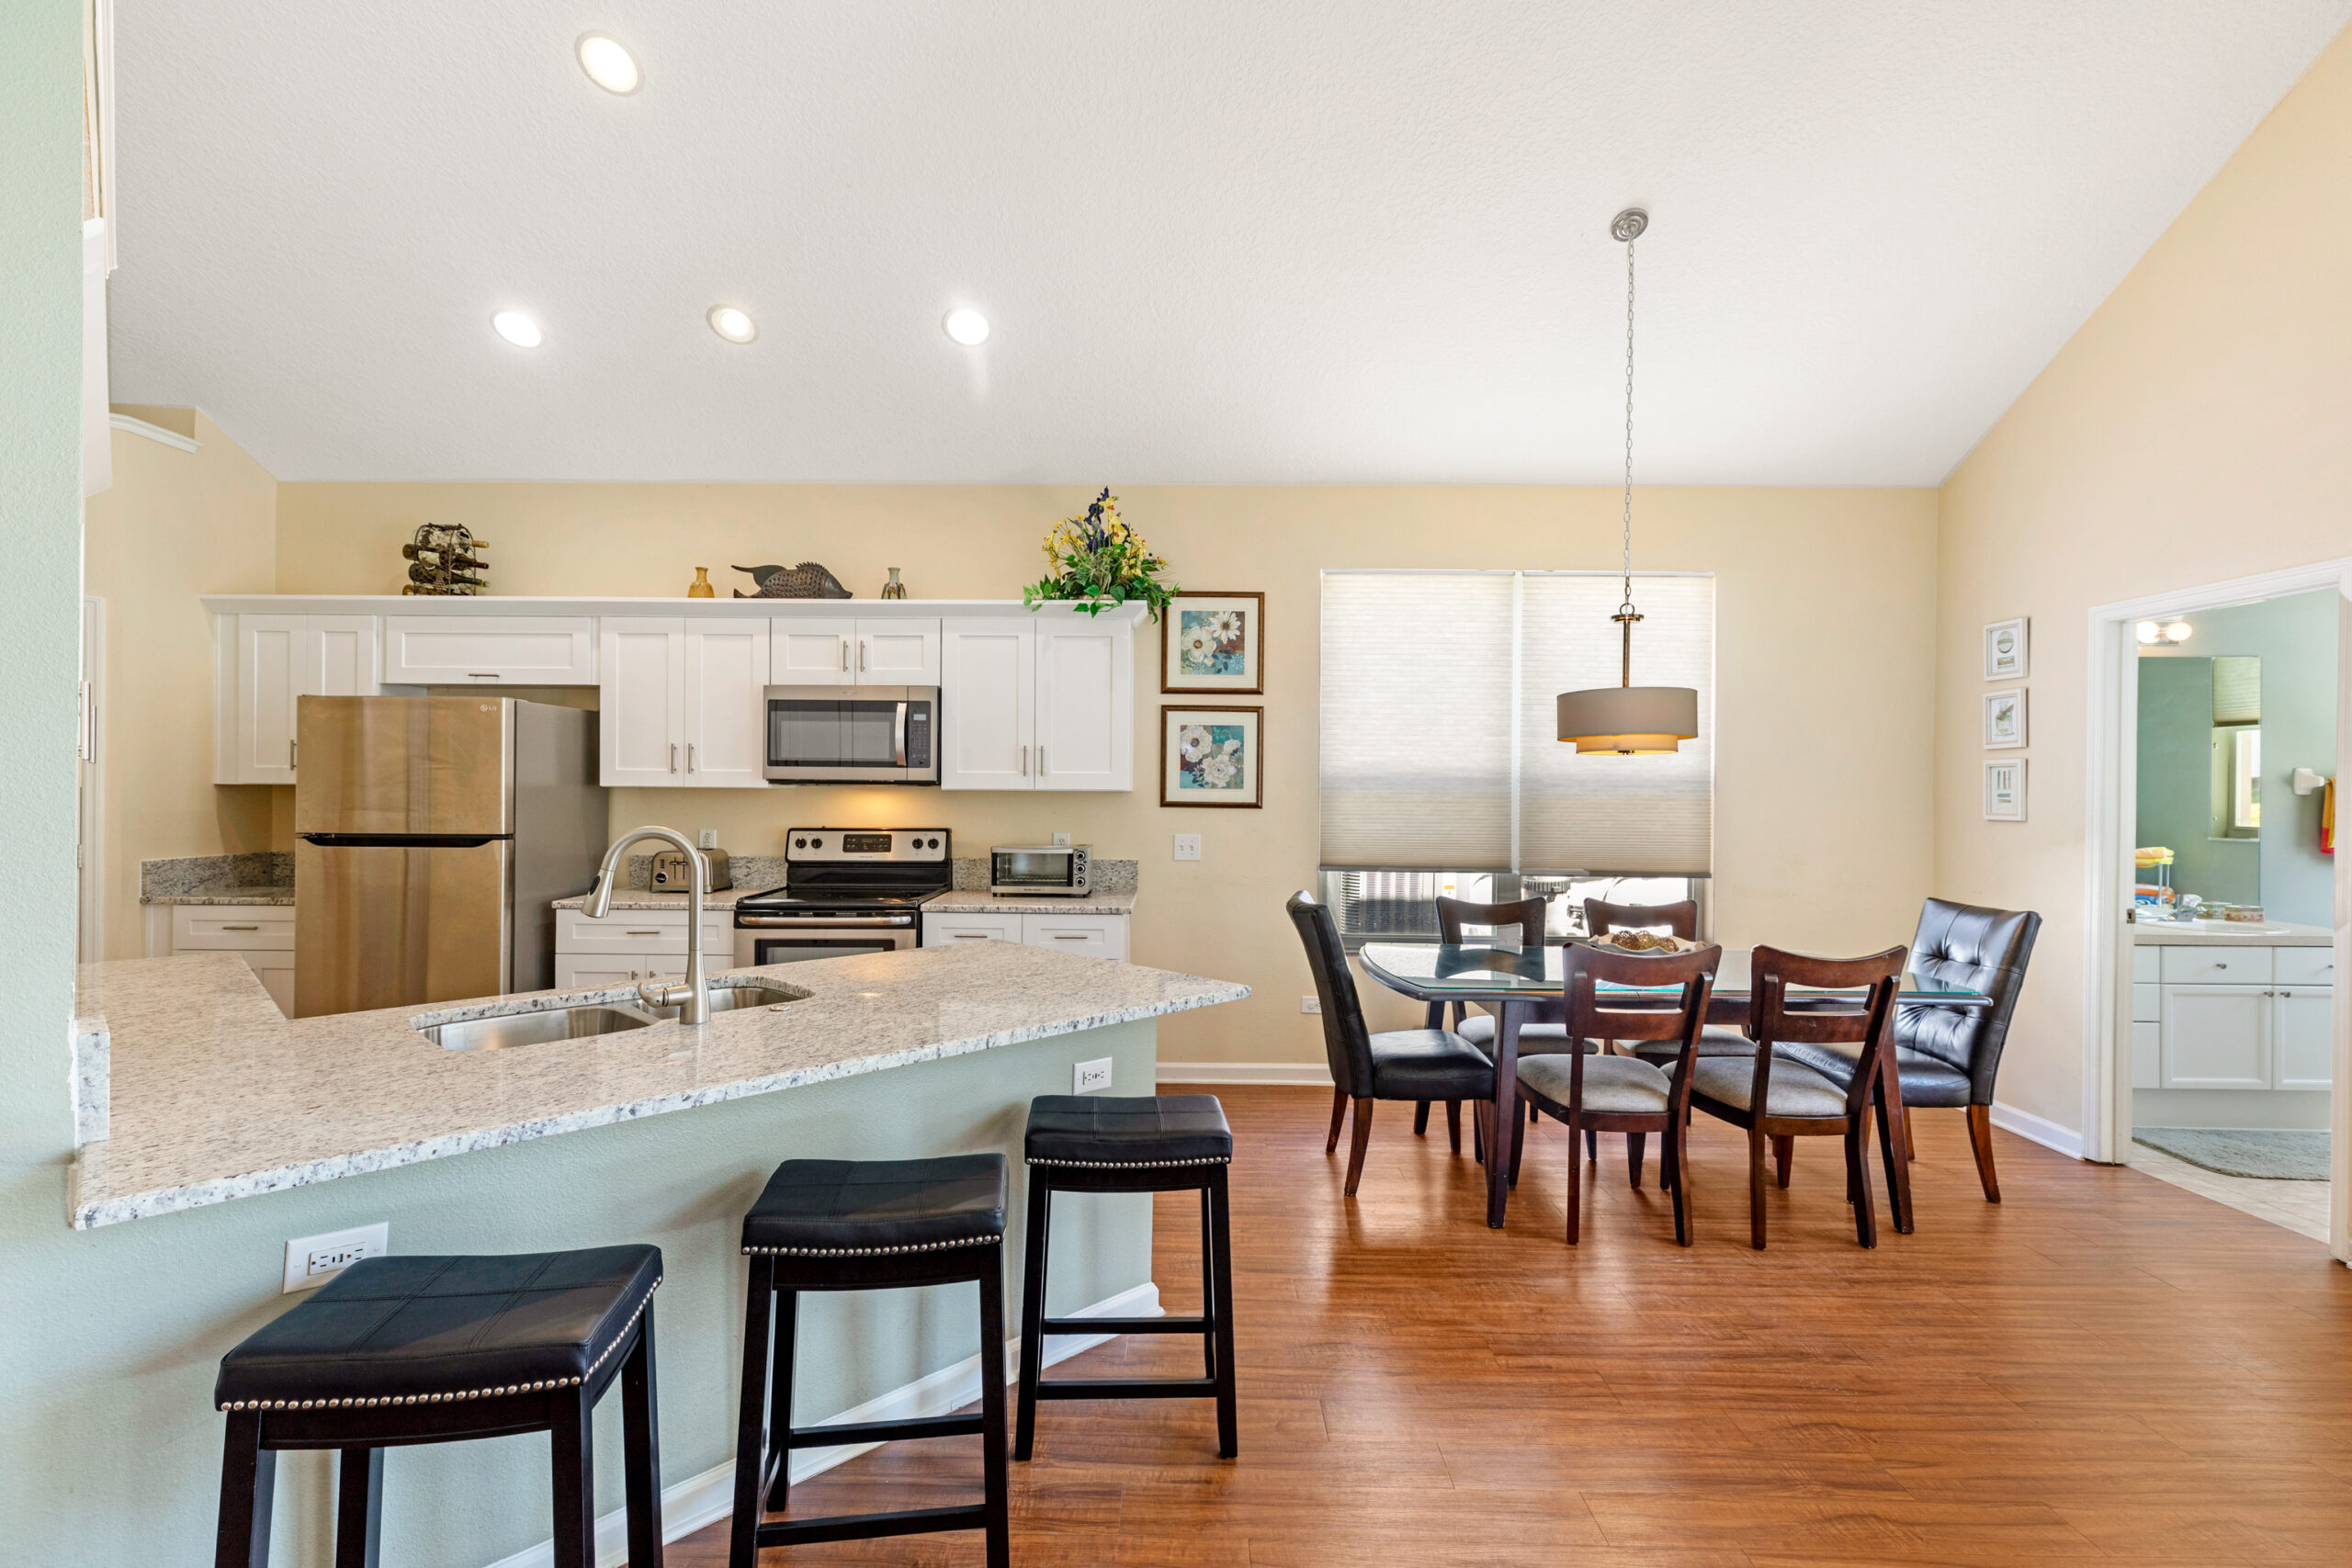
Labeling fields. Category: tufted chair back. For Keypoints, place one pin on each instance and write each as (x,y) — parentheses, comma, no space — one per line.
(1346,1042)
(1985,949)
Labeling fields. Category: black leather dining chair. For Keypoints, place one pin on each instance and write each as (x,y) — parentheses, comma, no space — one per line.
(1399,1063)
(1947,1057)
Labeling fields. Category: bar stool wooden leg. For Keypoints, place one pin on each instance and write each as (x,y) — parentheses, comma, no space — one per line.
(999,1528)
(572,1455)
(359,1509)
(1208,1280)
(640,1449)
(783,1361)
(751,1421)
(1228,1419)
(1032,1313)
(248,1490)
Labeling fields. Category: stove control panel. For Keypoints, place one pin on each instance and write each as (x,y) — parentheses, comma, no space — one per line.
(916,846)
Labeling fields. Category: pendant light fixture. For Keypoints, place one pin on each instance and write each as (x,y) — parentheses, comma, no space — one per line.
(1626,719)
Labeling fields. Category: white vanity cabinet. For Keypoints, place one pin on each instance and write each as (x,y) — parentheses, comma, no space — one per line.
(262,664)
(1037,705)
(633,945)
(1093,934)
(2236,1017)
(678,704)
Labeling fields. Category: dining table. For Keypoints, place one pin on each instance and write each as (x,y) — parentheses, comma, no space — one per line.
(1514,981)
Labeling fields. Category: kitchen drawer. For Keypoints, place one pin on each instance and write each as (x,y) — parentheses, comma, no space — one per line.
(629,932)
(2145,966)
(2216,965)
(598,972)
(1096,936)
(2147,1003)
(947,930)
(238,927)
(488,650)
(2147,1056)
(2303,965)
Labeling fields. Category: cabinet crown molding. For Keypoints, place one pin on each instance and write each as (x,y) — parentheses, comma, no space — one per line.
(692,609)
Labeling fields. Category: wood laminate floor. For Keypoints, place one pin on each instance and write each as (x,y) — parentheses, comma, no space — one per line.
(2105,1369)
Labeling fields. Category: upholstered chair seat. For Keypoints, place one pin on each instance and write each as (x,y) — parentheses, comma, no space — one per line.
(1613,1086)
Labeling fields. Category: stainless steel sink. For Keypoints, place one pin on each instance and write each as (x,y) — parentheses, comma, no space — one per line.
(533,1028)
(727,999)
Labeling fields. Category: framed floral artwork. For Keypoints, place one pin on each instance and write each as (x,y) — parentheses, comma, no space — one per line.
(1210,756)
(2005,718)
(1214,642)
(2005,651)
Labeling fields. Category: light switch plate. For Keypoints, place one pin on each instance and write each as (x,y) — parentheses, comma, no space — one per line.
(312,1260)
(1087,1078)
(1188,846)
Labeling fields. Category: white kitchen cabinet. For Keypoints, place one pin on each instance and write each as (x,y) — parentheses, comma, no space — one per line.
(898,653)
(812,651)
(629,946)
(2303,1035)
(2216,1036)
(263,666)
(598,971)
(1086,708)
(988,703)
(948,931)
(680,702)
(727,676)
(1036,705)
(1093,934)
(262,934)
(484,650)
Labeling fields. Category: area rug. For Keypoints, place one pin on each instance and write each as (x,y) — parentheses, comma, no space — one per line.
(2243,1151)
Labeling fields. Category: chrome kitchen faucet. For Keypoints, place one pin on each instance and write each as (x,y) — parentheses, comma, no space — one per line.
(692,996)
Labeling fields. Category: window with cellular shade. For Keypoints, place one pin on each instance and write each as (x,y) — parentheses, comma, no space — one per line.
(1439,747)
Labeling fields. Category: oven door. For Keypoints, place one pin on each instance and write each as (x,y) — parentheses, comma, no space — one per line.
(791,939)
(852,735)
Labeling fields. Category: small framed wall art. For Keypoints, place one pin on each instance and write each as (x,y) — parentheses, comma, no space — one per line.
(1214,643)
(2005,790)
(1211,756)
(2005,719)
(2005,651)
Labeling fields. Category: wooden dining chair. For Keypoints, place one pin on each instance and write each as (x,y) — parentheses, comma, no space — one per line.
(1545,1035)
(1625,1094)
(1775,1099)
(1399,1064)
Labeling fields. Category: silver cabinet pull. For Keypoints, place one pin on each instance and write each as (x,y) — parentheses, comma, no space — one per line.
(289,753)
(690,756)
(241,928)
(1025,762)
(481,674)
(861,654)
(1072,936)
(1041,761)
(844,656)
(643,933)
(972,936)
(674,756)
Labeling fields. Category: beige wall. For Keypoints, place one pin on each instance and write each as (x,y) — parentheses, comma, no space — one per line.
(2197,428)
(175,524)
(1824,607)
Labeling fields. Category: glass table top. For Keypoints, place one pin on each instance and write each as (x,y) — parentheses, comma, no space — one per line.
(1480,970)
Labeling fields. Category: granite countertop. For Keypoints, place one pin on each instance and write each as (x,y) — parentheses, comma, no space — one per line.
(223,892)
(186,1064)
(262,878)
(2226,933)
(985,903)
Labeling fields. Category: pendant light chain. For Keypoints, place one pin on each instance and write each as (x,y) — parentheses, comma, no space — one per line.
(1628,563)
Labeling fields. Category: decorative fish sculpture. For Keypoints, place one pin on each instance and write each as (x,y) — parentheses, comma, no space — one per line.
(805,580)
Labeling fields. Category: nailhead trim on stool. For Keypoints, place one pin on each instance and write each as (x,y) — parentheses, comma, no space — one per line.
(870,1251)
(618,1340)
(1131,1164)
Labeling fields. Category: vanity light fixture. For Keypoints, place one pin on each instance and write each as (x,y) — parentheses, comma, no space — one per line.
(608,64)
(1627,720)
(733,324)
(967,326)
(2151,633)
(518,329)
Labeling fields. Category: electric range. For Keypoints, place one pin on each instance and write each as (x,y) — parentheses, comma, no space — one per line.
(845,890)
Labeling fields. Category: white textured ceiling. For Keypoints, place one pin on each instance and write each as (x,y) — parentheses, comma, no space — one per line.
(1220,240)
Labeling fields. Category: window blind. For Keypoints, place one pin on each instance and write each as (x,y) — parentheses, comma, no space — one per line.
(1438,747)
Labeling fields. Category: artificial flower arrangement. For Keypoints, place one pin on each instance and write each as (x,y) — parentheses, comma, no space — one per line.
(1097,562)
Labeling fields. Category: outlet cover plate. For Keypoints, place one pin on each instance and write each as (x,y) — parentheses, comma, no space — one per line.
(1061,841)
(1091,1077)
(312,1260)
(1311,1004)
(1188,846)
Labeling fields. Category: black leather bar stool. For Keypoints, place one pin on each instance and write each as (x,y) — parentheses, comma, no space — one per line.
(837,1225)
(398,1350)
(1157,1143)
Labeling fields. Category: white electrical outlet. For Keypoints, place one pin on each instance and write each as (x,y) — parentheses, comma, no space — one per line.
(1311,1004)
(1061,841)
(707,839)
(1086,1077)
(312,1260)
(1188,846)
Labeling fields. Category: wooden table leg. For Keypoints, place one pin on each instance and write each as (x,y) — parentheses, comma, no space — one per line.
(1506,1111)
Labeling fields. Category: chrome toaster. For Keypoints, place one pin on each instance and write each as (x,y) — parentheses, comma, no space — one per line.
(670,875)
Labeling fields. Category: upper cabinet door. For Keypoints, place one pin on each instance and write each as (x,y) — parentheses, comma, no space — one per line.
(482,651)
(898,653)
(339,656)
(727,673)
(988,701)
(269,677)
(814,651)
(1086,706)
(642,730)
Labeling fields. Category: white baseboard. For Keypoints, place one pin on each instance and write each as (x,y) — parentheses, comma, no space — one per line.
(701,1500)
(1315,1074)
(2038,1129)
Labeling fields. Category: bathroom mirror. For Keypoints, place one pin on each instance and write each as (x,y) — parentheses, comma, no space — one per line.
(2234,769)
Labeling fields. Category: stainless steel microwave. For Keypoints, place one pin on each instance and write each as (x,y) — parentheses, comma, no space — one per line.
(852,735)
(1055,870)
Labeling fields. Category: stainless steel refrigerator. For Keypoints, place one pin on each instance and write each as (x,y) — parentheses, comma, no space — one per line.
(431,834)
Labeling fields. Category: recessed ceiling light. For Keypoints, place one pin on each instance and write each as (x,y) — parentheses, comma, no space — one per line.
(608,64)
(518,329)
(733,324)
(967,326)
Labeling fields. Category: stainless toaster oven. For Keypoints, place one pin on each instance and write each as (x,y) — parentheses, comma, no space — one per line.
(1052,870)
